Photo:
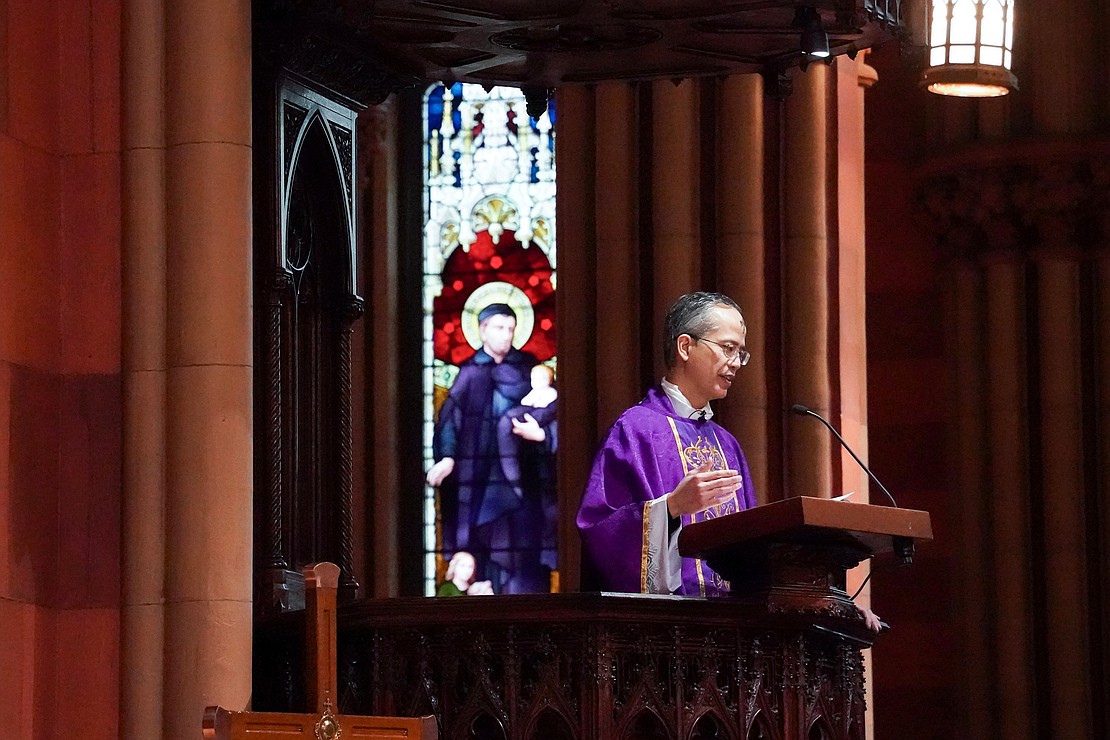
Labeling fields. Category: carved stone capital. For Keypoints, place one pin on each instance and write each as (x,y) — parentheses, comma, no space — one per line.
(1027,200)
(866,75)
(374,126)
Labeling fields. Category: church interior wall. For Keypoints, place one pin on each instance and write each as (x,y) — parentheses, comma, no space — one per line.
(986,292)
(907,391)
(59,367)
(60,406)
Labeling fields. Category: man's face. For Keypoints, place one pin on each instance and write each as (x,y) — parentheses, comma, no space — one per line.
(710,374)
(496,334)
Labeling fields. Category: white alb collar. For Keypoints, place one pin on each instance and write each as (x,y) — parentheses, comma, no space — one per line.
(681,404)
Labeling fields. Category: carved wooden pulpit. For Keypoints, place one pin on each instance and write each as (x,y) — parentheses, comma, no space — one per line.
(779,659)
(321,584)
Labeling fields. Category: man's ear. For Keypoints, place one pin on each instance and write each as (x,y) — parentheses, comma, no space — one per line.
(682,346)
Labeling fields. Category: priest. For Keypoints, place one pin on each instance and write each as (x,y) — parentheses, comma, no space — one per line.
(665,463)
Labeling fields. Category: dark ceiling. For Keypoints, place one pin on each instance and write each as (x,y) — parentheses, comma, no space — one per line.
(548,43)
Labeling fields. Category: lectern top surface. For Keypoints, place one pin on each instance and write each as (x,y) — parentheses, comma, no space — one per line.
(807,518)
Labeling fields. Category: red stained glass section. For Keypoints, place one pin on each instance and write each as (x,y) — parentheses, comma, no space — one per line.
(505,260)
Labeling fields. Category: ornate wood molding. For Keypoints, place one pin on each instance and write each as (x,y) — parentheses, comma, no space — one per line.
(310,40)
(549,44)
(351,312)
(305,273)
(277,292)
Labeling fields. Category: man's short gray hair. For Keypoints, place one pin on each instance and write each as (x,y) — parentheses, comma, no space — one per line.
(691,315)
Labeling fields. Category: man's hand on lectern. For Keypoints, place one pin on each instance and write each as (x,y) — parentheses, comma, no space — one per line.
(871,619)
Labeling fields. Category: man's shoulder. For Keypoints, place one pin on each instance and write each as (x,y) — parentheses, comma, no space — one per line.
(639,418)
(639,411)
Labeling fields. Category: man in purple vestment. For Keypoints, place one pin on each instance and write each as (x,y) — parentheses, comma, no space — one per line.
(665,463)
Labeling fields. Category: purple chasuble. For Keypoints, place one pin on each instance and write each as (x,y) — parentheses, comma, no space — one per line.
(646,454)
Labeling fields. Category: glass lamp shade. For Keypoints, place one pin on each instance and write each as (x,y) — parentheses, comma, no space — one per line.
(969,81)
(815,43)
(970,48)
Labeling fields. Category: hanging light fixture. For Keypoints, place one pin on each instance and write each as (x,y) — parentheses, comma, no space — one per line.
(814,42)
(970,48)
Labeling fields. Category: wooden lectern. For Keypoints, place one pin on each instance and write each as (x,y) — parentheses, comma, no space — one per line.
(792,555)
(321,584)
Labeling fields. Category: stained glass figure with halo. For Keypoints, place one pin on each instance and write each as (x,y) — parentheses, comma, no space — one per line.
(490,435)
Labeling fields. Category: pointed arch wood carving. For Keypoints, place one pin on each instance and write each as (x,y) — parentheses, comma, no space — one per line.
(307,304)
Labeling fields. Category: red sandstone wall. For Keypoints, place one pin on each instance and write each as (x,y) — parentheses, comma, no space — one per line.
(59,367)
(916,665)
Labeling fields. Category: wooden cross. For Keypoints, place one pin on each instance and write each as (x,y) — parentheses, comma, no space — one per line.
(321,584)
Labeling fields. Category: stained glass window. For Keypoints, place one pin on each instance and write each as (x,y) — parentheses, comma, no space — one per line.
(490,433)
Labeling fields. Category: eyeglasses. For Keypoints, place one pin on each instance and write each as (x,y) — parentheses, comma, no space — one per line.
(730,351)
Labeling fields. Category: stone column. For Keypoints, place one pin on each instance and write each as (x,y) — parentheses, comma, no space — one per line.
(144,369)
(618,255)
(1101,565)
(576,299)
(1062,466)
(740,264)
(209,386)
(1065,94)
(966,305)
(1009,475)
(1025,219)
(377,134)
(851,288)
(851,79)
(675,201)
(806,282)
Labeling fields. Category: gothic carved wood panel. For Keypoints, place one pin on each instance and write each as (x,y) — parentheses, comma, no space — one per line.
(306,302)
(585,666)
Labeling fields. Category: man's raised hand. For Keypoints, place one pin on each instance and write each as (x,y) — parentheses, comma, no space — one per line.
(701,488)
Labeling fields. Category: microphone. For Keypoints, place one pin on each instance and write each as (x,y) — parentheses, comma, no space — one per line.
(903,546)
(801,410)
